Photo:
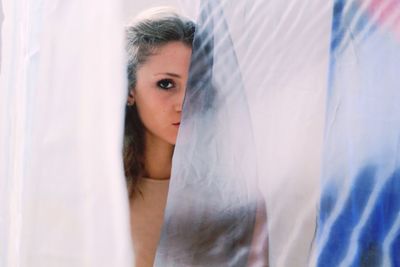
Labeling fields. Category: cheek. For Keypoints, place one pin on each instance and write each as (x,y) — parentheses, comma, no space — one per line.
(156,102)
(152,107)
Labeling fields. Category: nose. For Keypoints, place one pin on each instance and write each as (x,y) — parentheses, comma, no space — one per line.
(179,100)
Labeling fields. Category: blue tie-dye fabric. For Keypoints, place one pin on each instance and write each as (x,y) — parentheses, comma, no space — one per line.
(359,219)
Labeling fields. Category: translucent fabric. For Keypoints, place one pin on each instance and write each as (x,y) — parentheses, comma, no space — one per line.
(252,134)
(62,191)
(359,214)
(212,202)
(288,150)
(295,103)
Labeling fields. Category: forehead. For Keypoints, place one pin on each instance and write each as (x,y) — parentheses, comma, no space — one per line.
(172,57)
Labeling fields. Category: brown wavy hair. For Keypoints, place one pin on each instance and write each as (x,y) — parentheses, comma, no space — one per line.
(144,35)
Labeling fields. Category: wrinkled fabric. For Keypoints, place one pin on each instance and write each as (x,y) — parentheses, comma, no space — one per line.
(252,129)
(318,85)
(212,200)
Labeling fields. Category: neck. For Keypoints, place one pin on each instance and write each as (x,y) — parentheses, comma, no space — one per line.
(157,157)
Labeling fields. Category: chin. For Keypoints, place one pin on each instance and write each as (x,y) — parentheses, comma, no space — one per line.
(172,140)
(169,139)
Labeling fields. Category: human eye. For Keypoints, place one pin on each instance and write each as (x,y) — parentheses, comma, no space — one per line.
(166,84)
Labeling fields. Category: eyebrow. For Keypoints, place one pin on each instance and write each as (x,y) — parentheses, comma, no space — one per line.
(169,74)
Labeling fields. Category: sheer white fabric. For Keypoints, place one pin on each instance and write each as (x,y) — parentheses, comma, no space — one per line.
(62,192)
(254,121)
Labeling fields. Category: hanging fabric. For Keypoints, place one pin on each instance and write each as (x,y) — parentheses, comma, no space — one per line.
(62,191)
(359,213)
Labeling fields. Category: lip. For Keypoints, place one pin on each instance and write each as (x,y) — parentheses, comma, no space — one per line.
(176,124)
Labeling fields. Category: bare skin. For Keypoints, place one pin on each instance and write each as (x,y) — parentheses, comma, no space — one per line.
(158,95)
(158,157)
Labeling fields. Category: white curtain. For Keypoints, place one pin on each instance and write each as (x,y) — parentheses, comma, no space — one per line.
(62,192)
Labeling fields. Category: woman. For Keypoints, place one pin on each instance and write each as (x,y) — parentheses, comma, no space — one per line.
(159,46)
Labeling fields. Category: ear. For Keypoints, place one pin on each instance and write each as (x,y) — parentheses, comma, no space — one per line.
(131,97)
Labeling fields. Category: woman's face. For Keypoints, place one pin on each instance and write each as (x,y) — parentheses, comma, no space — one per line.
(160,89)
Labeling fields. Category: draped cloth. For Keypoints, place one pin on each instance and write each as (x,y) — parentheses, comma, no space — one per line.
(292,109)
(62,192)
(211,205)
(359,213)
(252,128)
